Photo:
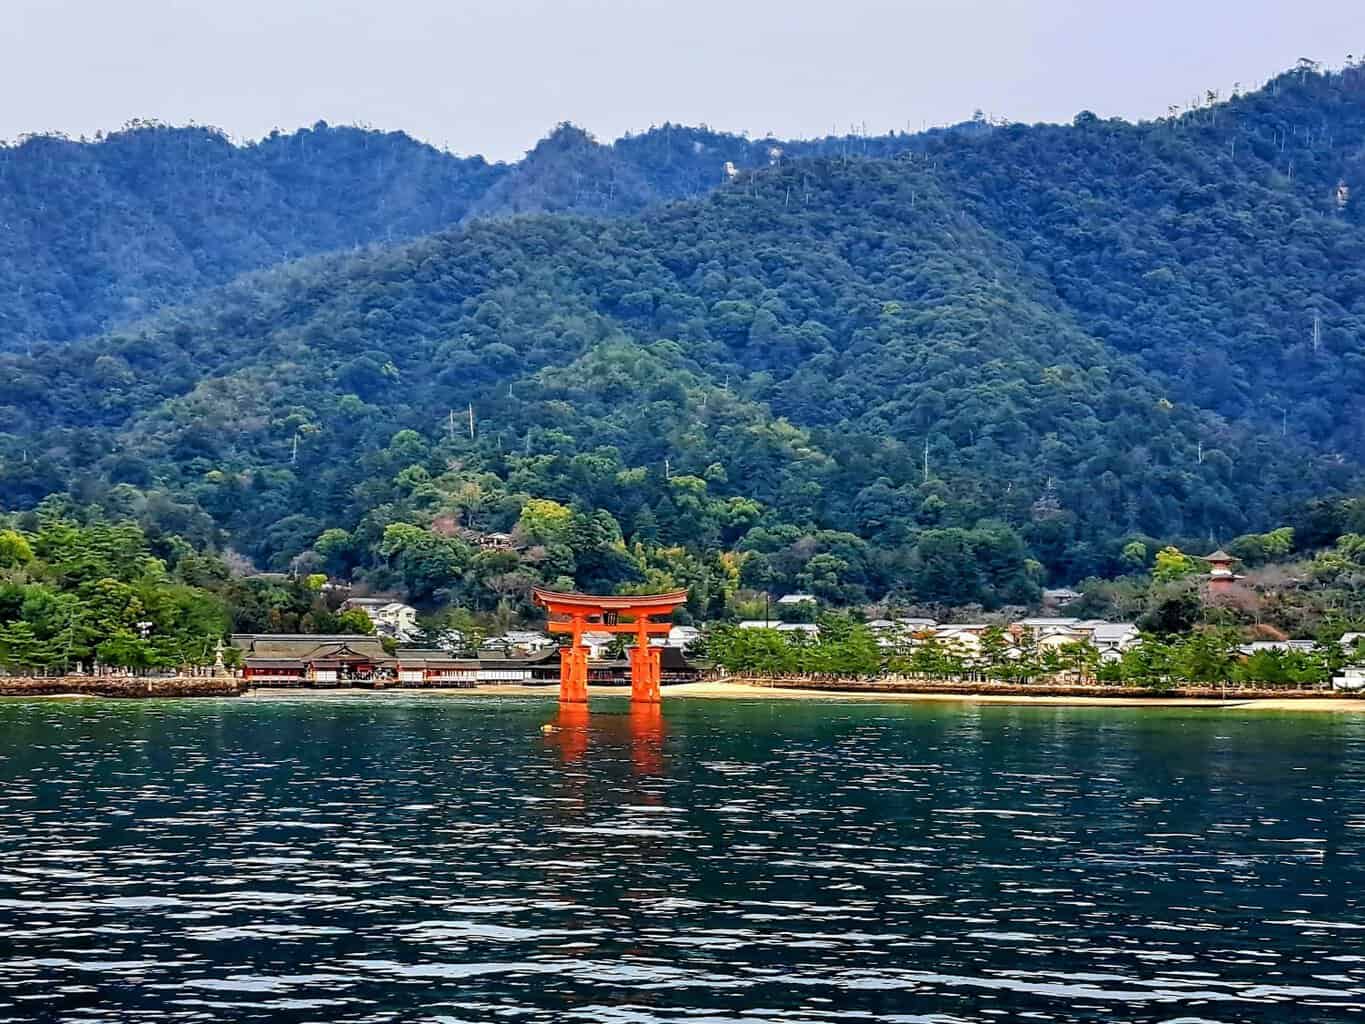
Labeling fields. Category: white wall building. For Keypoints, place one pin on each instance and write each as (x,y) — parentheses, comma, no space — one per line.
(526,641)
(390,618)
(678,636)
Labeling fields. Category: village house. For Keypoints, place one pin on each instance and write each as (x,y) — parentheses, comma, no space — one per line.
(1283,646)
(915,625)
(496,541)
(597,642)
(1046,625)
(524,641)
(390,618)
(809,628)
(1060,597)
(1111,639)
(893,634)
(965,638)
(678,636)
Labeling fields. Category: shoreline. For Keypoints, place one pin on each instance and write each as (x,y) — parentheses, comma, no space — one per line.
(734,690)
(718,689)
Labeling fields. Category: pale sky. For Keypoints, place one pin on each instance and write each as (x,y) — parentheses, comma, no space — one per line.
(491,77)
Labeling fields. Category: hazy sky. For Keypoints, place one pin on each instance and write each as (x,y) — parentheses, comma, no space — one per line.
(493,77)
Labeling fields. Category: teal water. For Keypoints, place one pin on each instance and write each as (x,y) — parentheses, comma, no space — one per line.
(440,859)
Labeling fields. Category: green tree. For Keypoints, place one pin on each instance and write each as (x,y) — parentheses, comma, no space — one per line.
(14,549)
(1173,564)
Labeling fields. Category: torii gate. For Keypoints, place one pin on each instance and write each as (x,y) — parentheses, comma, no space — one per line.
(576,613)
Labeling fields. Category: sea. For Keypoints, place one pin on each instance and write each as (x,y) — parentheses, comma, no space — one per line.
(471,858)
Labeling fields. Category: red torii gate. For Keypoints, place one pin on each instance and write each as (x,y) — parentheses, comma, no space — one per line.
(576,613)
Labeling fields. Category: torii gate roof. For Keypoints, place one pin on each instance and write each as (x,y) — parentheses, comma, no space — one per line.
(657,603)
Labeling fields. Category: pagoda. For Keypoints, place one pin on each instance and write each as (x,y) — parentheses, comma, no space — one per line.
(1222,578)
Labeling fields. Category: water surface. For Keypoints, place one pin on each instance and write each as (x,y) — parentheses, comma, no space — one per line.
(420,858)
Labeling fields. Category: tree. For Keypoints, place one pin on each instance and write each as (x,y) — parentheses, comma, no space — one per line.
(545,521)
(21,648)
(994,654)
(354,620)
(1148,664)
(1173,564)
(124,648)
(1206,657)
(1173,610)
(14,549)
(1080,658)
(337,551)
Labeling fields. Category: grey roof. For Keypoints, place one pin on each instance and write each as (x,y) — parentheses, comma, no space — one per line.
(1113,631)
(303,647)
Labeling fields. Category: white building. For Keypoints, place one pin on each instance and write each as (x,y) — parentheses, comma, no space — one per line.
(390,618)
(1111,639)
(1351,678)
(678,636)
(965,638)
(597,643)
(1060,597)
(791,599)
(809,628)
(525,641)
(917,625)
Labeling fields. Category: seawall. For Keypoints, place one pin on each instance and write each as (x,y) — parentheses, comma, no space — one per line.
(120,686)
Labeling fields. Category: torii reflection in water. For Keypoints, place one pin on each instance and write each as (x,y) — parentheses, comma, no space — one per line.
(644,731)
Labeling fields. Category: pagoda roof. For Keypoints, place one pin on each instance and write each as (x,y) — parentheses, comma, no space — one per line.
(1221,556)
(662,602)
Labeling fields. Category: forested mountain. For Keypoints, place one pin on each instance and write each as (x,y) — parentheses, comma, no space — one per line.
(1224,248)
(97,233)
(946,369)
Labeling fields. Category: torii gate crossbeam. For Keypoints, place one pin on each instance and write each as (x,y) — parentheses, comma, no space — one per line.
(575,614)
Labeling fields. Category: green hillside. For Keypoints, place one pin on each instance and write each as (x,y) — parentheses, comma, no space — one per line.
(101,232)
(944,376)
(93,234)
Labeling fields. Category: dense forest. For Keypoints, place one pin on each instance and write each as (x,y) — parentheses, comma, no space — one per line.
(934,370)
(77,587)
(100,232)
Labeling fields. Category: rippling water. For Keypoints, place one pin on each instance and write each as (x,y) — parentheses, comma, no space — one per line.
(440,859)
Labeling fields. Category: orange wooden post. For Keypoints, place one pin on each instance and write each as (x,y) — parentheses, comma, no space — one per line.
(644,681)
(644,688)
(573,667)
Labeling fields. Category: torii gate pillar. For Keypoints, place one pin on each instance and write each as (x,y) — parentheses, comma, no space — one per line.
(575,613)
